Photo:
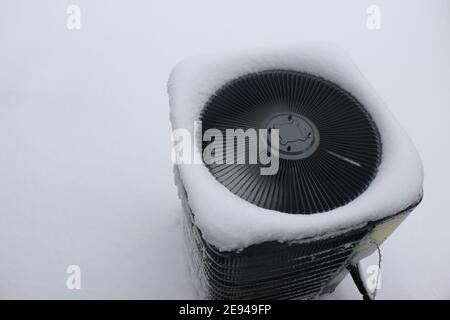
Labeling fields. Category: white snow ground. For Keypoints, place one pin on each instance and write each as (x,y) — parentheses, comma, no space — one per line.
(85,171)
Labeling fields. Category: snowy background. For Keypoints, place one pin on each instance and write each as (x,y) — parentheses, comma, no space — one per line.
(85,170)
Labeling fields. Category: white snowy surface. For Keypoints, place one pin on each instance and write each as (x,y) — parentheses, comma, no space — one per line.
(236,223)
(85,170)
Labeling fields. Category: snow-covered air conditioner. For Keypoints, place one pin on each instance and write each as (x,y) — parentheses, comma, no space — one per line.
(347,173)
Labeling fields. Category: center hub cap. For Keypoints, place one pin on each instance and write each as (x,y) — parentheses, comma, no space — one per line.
(299,137)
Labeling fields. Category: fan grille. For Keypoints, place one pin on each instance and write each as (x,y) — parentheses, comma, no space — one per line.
(327,161)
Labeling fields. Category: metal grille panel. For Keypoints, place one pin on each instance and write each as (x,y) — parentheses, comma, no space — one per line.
(271,270)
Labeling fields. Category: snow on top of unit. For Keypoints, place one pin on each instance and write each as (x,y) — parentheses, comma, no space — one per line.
(229,222)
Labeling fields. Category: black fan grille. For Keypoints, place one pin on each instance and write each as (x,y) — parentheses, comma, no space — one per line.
(337,167)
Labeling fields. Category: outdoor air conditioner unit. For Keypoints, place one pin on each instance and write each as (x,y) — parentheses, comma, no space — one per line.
(347,174)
